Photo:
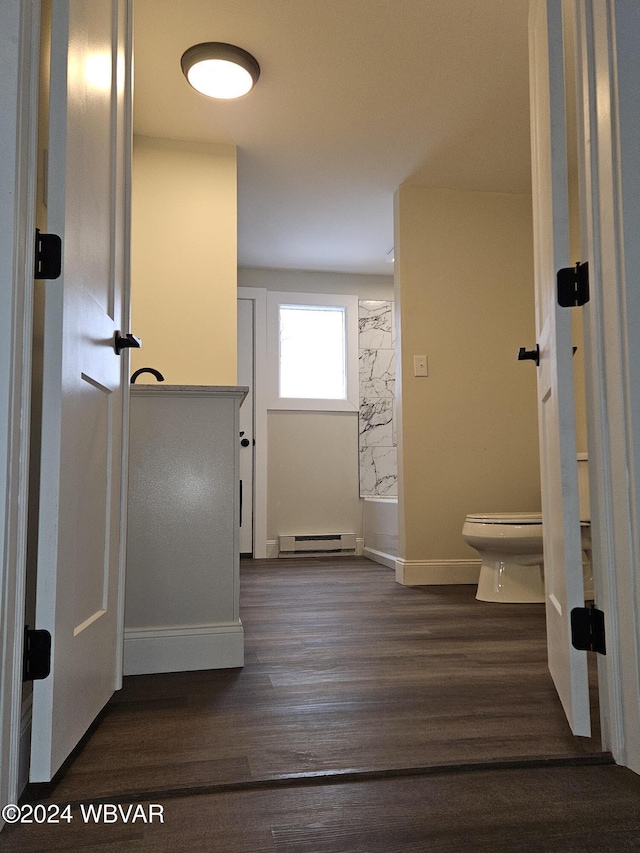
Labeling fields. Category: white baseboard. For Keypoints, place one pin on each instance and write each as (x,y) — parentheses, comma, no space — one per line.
(272,549)
(273,553)
(387,560)
(183,647)
(436,572)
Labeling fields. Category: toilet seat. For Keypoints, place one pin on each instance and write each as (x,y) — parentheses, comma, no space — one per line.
(513,518)
(505,518)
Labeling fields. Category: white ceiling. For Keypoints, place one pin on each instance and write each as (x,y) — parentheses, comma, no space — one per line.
(355,97)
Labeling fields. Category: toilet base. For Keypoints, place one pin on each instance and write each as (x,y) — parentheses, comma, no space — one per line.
(510,583)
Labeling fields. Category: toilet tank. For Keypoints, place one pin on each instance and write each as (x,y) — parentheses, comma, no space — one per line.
(583,487)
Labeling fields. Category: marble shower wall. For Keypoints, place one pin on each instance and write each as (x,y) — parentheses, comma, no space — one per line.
(377,434)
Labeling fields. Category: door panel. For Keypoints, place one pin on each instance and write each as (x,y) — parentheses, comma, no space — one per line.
(80,493)
(558,461)
(95,428)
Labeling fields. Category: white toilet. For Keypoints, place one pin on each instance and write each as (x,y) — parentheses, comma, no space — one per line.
(510,545)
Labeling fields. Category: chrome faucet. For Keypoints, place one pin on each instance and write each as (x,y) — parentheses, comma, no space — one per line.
(156,373)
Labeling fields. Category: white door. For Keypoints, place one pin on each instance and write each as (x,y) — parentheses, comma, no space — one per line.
(559,477)
(246,437)
(80,502)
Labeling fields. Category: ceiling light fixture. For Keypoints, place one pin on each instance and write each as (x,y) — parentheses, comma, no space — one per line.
(220,70)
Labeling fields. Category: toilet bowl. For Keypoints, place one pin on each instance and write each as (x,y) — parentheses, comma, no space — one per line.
(510,546)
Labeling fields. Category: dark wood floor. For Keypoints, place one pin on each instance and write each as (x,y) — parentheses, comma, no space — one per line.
(546,810)
(426,701)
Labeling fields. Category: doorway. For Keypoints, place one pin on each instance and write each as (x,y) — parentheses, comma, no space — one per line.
(252,348)
(247,417)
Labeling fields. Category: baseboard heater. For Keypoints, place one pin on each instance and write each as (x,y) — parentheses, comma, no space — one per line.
(319,543)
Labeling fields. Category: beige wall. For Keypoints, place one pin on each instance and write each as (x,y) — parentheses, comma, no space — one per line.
(313,473)
(184,261)
(468,436)
(311,281)
(313,484)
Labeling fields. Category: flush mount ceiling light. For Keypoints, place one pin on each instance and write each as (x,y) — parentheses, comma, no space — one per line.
(220,70)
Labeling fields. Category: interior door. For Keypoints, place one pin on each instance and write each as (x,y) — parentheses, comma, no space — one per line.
(559,476)
(80,496)
(246,438)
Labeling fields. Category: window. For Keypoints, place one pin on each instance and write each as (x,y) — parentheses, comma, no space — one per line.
(313,351)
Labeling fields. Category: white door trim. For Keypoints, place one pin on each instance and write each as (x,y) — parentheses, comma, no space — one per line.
(608,77)
(126,318)
(259,297)
(19,61)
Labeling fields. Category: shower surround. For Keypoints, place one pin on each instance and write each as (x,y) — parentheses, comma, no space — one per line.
(377,434)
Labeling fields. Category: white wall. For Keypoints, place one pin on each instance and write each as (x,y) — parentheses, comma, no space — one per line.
(313,484)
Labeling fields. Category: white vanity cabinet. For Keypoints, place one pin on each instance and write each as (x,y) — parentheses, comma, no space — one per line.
(182,571)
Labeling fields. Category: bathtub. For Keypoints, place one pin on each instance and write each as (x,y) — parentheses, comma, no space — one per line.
(381,530)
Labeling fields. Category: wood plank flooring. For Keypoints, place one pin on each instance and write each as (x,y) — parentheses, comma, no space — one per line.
(538,810)
(368,717)
(345,670)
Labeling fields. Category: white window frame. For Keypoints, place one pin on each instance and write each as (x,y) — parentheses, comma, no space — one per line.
(319,300)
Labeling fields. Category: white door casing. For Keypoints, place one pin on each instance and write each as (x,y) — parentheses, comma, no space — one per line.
(559,477)
(608,78)
(19,61)
(246,437)
(255,348)
(79,550)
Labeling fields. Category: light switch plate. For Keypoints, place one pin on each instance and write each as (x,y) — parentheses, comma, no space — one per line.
(420,365)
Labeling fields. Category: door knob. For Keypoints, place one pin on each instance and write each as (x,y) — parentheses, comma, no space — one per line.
(121,342)
(245,442)
(529,354)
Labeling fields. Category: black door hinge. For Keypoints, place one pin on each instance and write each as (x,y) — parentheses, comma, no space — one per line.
(48,257)
(573,285)
(36,661)
(587,629)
